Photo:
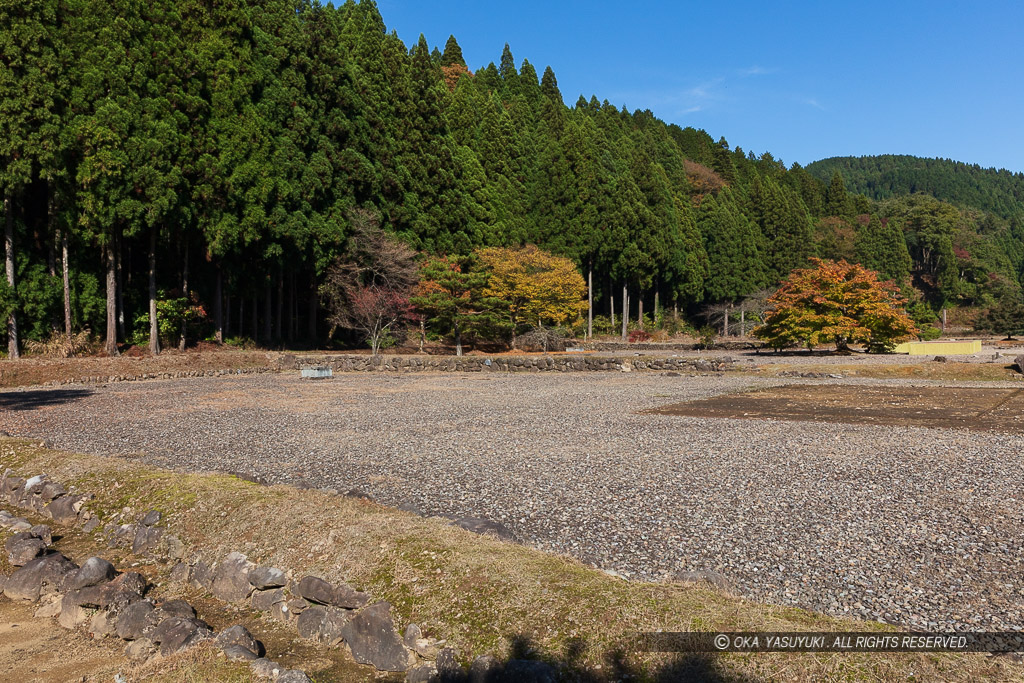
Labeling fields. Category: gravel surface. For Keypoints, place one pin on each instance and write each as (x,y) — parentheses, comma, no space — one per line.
(916,526)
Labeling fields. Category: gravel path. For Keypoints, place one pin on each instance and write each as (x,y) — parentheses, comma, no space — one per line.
(916,526)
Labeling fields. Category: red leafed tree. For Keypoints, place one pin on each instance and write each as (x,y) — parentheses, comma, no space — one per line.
(839,302)
(368,289)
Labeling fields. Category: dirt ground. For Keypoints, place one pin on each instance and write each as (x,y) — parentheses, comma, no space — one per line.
(39,650)
(994,410)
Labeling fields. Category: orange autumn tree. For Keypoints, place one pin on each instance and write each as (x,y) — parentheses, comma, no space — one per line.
(538,287)
(836,302)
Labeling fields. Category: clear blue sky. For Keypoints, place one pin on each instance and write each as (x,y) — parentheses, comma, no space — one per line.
(802,80)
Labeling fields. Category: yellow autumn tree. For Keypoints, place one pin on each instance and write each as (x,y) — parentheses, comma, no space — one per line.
(539,288)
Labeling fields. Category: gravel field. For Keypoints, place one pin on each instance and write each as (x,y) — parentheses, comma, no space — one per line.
(917,526)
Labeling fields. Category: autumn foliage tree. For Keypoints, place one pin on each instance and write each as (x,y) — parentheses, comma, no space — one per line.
(368,289)
(537,287)
(836,302)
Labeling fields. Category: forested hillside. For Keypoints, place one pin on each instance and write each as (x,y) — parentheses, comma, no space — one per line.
(205,160)
(969,185)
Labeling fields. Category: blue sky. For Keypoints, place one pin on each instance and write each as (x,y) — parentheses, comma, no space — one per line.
(802,80)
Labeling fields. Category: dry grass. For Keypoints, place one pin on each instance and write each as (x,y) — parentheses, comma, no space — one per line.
(480,594)
(60,345)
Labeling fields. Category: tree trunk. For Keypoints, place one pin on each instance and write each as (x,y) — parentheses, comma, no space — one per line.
(154,327)
(291,307)
(268,309)
(625,310)
(423,333)
(943,317)
(611,307)
(590,303)
(255,319)
(12,320)
(120,288)
(640,312)
(743,322)
(725,321)
(67,281)
(279,323)
(458,339)
(313,309)
(227,316)
(218,306)
(241,316)
(184,291)
(111,263)
(657,305)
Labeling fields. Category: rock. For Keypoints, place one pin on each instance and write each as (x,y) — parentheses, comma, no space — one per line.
(373,640)
(265,668)
(293,676)
(412,634)
(116,594)
(173,547)
(423,673)
(21,524)
(175,634)
(91,525)
(71,613)
(177,608)
(317,590)
(280,612)
(35,484)
(528,671)
(414,640)
(262,601)
(263,578)
(202,575)
(447,665)
(42,532)
(237,653)
(23,550)
(181,573)
(134,620)
(238,636)
(310,621)
(63,510)
(51,490)
(140,649)
(1019,362)
(231,579)
(716,579)
(103,624)
(324,624)
(484,669)
(358,493)
(95,570)
(940,359)
(50,609)
(151,518)
(333,625)
(41,576)
(297,606)
(147,539)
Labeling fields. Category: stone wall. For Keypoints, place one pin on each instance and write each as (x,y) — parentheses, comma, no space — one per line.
(353,363)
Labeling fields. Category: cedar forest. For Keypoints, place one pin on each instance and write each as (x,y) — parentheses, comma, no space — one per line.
(206,160)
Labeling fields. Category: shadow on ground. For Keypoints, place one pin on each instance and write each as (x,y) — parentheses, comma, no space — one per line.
(521,667)
(40,398)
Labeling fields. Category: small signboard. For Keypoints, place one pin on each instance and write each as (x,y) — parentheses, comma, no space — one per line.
(317,372)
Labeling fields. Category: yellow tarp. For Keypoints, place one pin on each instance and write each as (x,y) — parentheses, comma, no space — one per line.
(940,348)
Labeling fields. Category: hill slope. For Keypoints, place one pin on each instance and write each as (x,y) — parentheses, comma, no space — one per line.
(996,190)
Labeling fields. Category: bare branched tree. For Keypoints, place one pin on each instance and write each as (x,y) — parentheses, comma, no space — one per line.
(368,289)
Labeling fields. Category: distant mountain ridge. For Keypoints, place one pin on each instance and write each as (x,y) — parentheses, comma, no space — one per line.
(968,185)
